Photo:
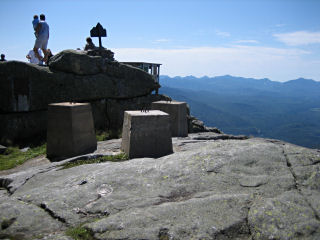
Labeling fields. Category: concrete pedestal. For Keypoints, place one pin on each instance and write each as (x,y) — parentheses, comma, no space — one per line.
(178,116)
(146,134)
(70,130)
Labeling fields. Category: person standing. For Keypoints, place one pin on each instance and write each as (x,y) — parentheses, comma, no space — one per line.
(42,31)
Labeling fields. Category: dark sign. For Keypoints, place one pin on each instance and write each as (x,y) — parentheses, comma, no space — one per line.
(98,31)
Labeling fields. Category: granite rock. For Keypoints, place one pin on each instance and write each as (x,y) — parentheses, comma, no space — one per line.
(209,188)
(71,76)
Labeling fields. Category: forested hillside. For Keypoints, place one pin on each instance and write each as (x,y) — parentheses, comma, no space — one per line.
(289,111)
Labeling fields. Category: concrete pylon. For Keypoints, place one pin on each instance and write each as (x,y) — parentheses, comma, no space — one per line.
(70,130)
(146,134)
(178,116)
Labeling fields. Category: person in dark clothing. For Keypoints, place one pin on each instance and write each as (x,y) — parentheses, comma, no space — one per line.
(90,45)
(49,55)
(3,58)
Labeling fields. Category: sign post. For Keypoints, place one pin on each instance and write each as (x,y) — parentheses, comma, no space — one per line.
(98,31)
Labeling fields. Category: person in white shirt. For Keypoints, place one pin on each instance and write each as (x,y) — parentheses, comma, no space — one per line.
(42,31)
(32,57)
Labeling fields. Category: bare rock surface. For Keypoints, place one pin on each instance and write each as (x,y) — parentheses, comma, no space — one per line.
(211,187)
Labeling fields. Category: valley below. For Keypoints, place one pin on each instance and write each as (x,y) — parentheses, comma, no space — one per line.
(288,111)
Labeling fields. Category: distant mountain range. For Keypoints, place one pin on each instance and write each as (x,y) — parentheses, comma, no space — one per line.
(288,111)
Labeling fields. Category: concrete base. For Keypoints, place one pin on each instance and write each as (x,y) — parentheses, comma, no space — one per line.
(70,130)
(178,116)
(146,134)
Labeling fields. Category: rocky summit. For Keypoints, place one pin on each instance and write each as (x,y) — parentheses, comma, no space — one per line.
(71,76)
(214,186)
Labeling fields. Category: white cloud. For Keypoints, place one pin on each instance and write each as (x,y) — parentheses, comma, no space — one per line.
(162,40)
(222,34)
(298,38)
(247,41)
(278,64)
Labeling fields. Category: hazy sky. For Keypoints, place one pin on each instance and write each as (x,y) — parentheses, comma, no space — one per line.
(275,39)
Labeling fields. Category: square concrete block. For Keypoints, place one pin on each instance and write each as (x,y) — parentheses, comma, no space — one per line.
(146,134)
(70,130)
(178,116)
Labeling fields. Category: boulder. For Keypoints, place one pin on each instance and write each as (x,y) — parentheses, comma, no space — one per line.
(207,189)
(77,62)
(103,52)
(71,76)
(195,125)
(82,62)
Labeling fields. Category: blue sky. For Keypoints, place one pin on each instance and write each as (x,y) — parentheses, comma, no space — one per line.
(275,39)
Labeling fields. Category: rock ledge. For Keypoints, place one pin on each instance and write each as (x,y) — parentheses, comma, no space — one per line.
(207,189)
